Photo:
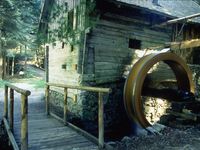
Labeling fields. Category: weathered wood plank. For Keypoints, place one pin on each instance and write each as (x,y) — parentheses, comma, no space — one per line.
(66,146)
(108,73)
(185,44)
(132,28)
(105,79)
(112,53)
(113,59)
(106,66)
(11,137)
(48,133)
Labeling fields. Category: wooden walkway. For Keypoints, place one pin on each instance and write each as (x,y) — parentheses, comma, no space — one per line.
(44,131)
(47,133)
(31,128)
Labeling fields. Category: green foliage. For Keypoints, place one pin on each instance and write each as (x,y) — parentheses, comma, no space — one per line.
(39,84)
(2,83)
(62,19)
(18,22)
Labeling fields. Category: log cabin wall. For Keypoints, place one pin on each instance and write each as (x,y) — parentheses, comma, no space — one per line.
(115,36)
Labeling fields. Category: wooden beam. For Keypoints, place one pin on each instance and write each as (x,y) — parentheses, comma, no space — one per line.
(24,122)
(47,99)
(85,88)
(183,115)
(178,20)
(10,135)
(19,90)
(6,102)
(11,109)
(101,121)
(184,44)
(65,107)
(47,64)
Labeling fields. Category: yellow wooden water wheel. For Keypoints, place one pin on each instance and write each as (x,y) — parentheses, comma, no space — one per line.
(136,78)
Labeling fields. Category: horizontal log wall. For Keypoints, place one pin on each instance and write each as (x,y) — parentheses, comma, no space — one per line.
(110,41)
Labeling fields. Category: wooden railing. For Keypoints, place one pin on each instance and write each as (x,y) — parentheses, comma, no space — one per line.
(9,121)
(100,92)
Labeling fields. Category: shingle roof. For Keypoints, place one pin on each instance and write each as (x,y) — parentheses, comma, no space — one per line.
(174,8)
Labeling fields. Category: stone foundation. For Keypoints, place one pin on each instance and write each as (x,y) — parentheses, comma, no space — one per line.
(196,77)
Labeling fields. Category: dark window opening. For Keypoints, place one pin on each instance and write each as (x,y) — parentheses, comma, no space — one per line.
(196,56)
(63,45)
(135,44)
(70,20)
(72,48)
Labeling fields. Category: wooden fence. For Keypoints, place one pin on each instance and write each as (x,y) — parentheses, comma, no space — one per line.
(100,92)
(9,121)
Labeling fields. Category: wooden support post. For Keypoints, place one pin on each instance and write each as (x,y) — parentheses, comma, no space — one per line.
(11,108)
(101,121)
(47,99)
(6,102)
(65,106)
(47,64)
(24,122)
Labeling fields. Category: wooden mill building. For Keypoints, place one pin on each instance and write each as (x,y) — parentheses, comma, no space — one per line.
(91,42)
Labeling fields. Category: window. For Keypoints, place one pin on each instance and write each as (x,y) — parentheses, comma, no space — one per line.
(135,44)
(72,48)
(63,45)
(70,19)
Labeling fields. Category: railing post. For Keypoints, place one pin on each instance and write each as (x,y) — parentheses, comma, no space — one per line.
(47,99)
(24,122)
(6,102)
(65,106)
(11,108)
(101,121)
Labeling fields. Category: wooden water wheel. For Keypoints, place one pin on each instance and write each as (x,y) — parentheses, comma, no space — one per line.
(134,87)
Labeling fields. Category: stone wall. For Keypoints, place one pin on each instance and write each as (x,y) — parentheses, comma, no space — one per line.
(196,77)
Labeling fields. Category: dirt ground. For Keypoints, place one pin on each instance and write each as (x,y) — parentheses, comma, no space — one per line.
(186,138)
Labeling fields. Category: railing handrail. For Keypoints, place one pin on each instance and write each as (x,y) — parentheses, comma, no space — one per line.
(24,115)
(86,88)
(100,92)
(17,89)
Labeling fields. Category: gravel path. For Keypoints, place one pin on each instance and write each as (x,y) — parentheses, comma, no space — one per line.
(170,139)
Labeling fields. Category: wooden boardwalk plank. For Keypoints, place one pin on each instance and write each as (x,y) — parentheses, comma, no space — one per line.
(47,133)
